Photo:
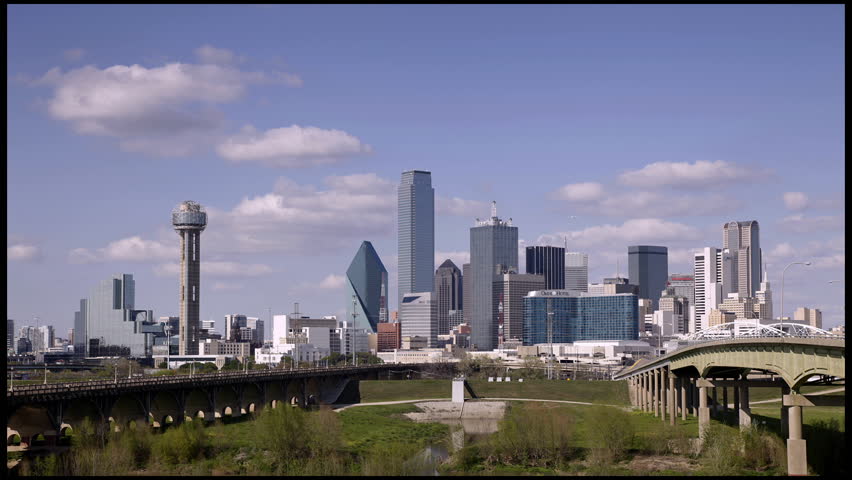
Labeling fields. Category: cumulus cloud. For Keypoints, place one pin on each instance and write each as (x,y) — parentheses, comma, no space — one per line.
(74,54)
(823,254)
(131,249)
(795,200)
(634,231)
(292,146)
(580,192)
(211,54)
(217,269)
(640,203)
(21,252)
(701,174)
(332,282)
(799,223)
(459,206)
(142,105)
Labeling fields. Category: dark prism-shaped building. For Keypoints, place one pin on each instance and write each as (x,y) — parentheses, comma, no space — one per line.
(367,281)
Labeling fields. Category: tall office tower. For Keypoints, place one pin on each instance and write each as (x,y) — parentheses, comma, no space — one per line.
(677,305)
(189,220)
(764,299)
(367,283)
(47,335)
(683,285)
(10,334)
(579,316)
(576,271)
(550,262)
(71,336)
(80,335)
(808,316)
(645,308)
(743,239)
(416,215)
(510,288)
(448,293)
(233,324)
(113,326)
(492,242)
(420,317)
(467,306)
(712,266)
(649,269)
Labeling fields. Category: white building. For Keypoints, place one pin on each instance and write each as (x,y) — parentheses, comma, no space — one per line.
(586,351)
(714,279)
(428,355)
(576,271)
(347,337)
(419,317)
(666,323)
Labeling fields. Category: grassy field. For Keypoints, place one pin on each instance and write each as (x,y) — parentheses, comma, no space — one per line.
(612,393)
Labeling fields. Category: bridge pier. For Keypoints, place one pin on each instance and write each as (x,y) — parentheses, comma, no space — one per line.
(672,399)
(714,411)
(725,403)
(663,394)
(655,393)
(785,390)
(797,454)
(743,408)
(703,410)
(683,398)
(646,392)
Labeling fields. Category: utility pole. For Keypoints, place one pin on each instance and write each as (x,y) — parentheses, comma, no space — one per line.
(355,331)
(550,340)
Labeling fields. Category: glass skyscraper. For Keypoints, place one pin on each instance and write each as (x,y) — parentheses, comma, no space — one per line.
(416,220)
(550,262)
(579,316)
(447,293)
(367,282)
(493,242)
(113,327)
(648,267)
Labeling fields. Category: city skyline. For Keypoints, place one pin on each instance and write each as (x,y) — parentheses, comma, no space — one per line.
(666,158)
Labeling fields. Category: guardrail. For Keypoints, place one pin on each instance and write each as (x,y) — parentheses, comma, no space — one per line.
(165,380)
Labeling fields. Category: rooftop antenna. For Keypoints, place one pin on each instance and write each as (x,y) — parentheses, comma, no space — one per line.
(493,208)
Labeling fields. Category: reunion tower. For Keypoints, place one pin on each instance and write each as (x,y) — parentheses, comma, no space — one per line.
(189,220)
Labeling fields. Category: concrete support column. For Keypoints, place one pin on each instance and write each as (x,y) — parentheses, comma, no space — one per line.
(672,400)
(655,393)
(644,390)
(785,390)
(797,456)
(737,398)
(744,408)
(703,412)
(714,407)
(725,402)
(663,394)
(683,398)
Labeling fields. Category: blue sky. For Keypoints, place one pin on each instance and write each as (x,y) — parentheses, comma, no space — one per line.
(608,125)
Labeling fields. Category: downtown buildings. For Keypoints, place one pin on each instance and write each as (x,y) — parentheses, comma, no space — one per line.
(565,316)
(416,235)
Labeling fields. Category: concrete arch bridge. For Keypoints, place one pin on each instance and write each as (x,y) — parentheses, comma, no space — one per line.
(685,381)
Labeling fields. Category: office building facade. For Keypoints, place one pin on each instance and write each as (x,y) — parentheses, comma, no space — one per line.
(549,262)
(509,291)
(649,269)
(467,306)
(416,223)
(112,326)
(366,289)
(420,317)
(449,292)
(576,271)
(389,337)
(492,242)
(10,334)
(579,316)
(809,316)
(743,241)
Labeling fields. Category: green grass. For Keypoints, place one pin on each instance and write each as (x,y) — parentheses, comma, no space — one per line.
(367,428)
(612,393)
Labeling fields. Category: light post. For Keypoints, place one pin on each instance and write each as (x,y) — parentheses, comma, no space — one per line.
(782,289)
(45,372)
(12,380)
(355,332)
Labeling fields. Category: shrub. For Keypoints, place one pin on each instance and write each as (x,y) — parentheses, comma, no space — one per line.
(611,433)
(326,433)
(531,436)
(182,444)
(762,450)
(283,431)
(396,460)
(721,450)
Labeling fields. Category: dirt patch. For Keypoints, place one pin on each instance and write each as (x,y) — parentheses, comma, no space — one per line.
(659,462)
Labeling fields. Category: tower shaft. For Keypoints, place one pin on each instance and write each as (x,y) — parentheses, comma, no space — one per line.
(190,278)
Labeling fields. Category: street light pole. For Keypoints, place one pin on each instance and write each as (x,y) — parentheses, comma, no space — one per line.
(782,289)
(355,332)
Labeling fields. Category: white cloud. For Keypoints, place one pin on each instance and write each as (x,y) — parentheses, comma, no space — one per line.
(141,106)
(701,174)
(634,231)
(332,282)
(459,206)
(227,287)
(459,258)
(823,254)
(211,54)
(293,146)
(800,223)
(21,252)
(795,200)
(217,269)
(74,54)
(131,249)
(782,250)
(580,192)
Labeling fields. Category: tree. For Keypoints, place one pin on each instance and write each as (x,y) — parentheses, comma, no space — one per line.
(163,365)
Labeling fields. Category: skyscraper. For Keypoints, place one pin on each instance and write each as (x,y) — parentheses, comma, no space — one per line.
(492,242)
(764,298)
(448,293)
(683,284)
(113,326)
(367,282)
(649,269)
(576,271)
(416,219)
(80,335)
(189,220)
(743,240)
(713,267)
(420,317)
(467,306)
(510,288)
(10,334)
(550,262)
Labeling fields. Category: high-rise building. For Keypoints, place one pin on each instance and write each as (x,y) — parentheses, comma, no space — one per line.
(10,334)
(547,261)
(113,325)
(189,220)
(613,286)
(467,306)
(764,299)
(233,324)
(420,317)
(713,273)
(366,289)
(416,215)
(80,319)
(809,316)
(579,316)
(682,284)
(645,307)
(492,242)
(648,267)
(743,240)
(448,293)
(510,288)
(576,271)
(742,307)
(389,337)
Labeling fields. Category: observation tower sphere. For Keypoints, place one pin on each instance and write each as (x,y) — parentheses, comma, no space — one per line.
(189,215)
